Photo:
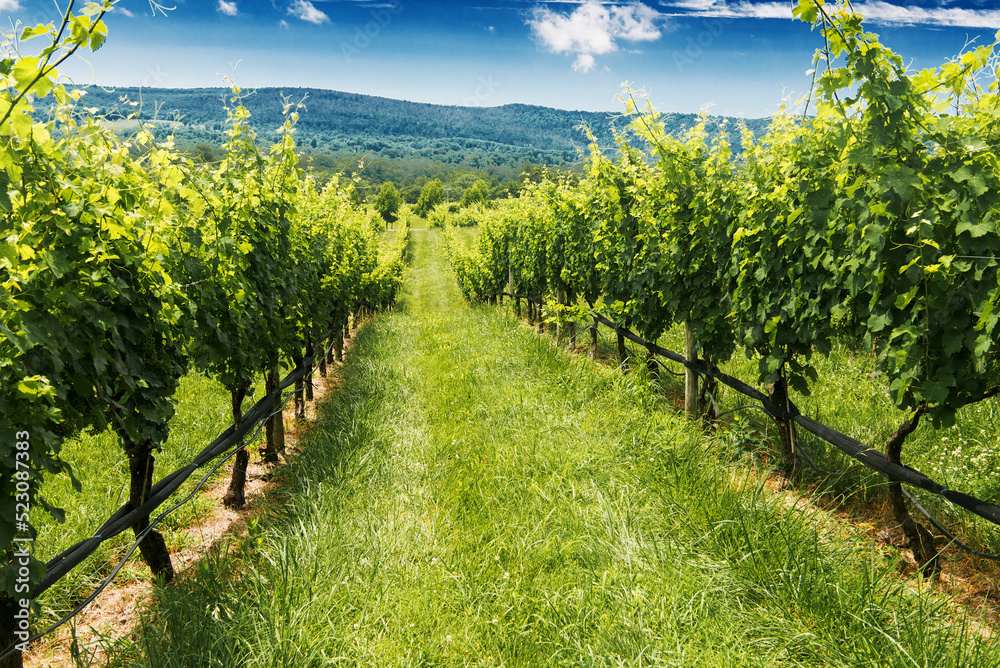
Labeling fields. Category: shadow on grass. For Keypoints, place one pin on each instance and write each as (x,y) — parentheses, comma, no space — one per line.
(210,616)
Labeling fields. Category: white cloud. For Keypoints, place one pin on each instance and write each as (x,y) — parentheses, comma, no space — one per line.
(124,12)
(694,5)
(9,5)
(883,12)
(593,29)
(583,63)
(635,23)
(875,11)
(303,9)
(228,8)
(723,9)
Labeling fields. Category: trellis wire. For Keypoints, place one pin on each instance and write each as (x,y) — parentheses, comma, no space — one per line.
(869,457)
(63,563)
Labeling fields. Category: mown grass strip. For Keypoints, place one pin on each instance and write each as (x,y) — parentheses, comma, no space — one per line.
(475,496)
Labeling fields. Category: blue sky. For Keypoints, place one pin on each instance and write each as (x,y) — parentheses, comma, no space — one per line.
(735,57)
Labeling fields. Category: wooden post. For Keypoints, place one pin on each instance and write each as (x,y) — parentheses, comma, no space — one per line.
(510,289)
(778,397)
(560,334)
(541,315)
(279,418)
(592,353)
(921,540)
(299,399)
(309,369)
(622,351)
(270,451)
(570,299)
(690,377)
(235,496)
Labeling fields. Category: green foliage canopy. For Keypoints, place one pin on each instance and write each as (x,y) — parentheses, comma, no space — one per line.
(431,195)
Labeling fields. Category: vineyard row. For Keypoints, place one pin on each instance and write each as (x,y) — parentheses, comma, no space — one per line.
(125,264)
(872,220)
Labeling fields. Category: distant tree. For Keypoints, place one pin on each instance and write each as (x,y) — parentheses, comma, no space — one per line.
(531,173)
(411,194)
(430,196)
(205,154)
(461,180)
(388,202)
(477,193)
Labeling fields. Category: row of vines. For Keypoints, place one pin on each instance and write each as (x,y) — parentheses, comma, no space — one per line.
(125,265)
(873,216)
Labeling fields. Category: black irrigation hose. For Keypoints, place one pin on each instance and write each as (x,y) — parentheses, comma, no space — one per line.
(123,518)
(809,460)
(798,447)
(945,532)
(743,408)
(135,545)
(590,326)
(603,338)
(870,457)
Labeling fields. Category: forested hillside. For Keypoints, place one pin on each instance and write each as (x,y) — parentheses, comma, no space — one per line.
(338,123)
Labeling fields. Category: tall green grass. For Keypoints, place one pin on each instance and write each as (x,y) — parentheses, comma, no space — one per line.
(202,412)
(852,397)
(473,495)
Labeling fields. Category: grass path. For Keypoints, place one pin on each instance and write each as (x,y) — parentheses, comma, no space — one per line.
(473,496)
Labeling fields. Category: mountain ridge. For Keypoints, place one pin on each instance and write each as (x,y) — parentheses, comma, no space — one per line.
(344,123)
